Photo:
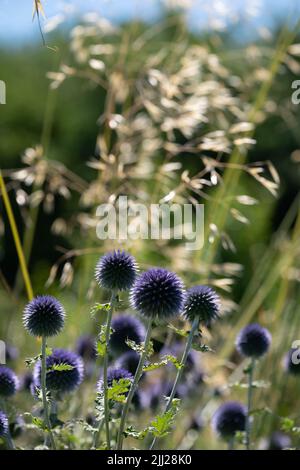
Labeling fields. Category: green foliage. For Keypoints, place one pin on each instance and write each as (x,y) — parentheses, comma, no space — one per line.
(162,424)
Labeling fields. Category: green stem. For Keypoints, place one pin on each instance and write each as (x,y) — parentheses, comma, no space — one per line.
(231,443)
(44,394)
(105,384)
(249,400)
(134,385)
(187,349)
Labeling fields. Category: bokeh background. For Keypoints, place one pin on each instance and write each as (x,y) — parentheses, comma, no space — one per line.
(182,101)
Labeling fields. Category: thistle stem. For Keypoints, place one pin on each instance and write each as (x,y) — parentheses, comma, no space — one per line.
(134,385)
(187,349)
(249,402)
(105,384)
(44,394)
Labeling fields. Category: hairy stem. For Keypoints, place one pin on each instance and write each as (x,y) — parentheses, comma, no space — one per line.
(134,385)
(44,394)
(187,349)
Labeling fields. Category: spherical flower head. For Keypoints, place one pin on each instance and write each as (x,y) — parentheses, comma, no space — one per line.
(253,341)
(279,441)
(292,362)
(158,293)
(60,381)
(129,361)
(229,419)
(114,374)
(9,382)
(125,327)
(3,424)
(116,271)
(203,303)
(44,316)
(86,347)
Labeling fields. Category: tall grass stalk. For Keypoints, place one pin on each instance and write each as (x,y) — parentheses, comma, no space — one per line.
(16,237)
(249,403)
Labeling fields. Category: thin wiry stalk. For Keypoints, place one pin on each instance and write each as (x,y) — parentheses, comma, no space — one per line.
(187,349)
(44,393)
(16,237)
(134,385)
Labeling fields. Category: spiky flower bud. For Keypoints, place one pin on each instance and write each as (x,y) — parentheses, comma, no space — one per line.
(158,293)
(203,303)
(116,271)
(253,341)
(125,327)
(44,316)
(229,419)
(9,382)
(64,371)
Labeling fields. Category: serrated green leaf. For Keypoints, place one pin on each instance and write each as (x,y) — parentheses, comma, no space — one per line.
(201,347)
(117,392)
(164,361)
(179,331)
(140,348)
(101,345)
(60,367)
(139,435)
(162,424)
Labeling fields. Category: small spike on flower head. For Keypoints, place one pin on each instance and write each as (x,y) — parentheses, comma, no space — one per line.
(44,316)
(9,382)
(114,374)
(202,302)
(125,327)
(158,293)
(60,381)
(116,271)
(3,424)
(253,341)
(292,361)
(229,419)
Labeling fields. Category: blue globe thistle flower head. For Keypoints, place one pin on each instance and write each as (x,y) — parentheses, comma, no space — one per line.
(116,271)
(125,327)
(279,441)
(60,381)
(158,293)
(229,419)
(114,374)
(86,347)
(292,361)
(129,361)
(44,316)
(11,353)
(3,424)
(202,302)
(26,380)
(253,341)
(9,382)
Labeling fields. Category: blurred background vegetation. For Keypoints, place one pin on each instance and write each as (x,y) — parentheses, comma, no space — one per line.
(158,111)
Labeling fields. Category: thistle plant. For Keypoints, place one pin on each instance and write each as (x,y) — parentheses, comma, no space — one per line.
(44,317)
(9,385)
(229,419)
(116,271)
(157,293)
(201,306)
(253,342)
